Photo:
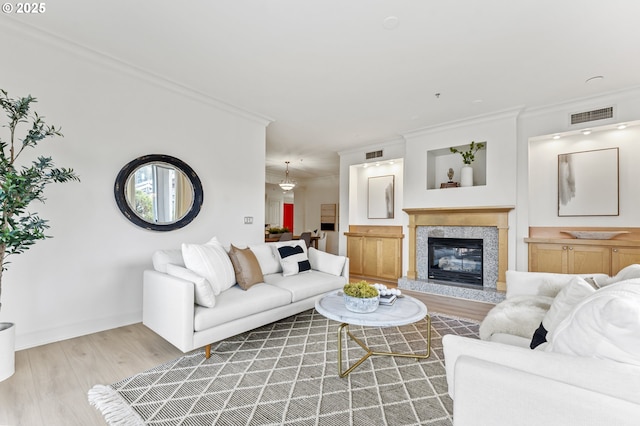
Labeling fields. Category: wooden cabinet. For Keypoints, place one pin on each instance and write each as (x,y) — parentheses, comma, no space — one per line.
(569,258)
(550,250)
(375,252)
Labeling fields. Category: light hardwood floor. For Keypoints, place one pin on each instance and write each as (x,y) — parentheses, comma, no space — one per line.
(51,381)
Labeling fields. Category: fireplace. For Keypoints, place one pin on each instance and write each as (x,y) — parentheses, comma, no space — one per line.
(456,260)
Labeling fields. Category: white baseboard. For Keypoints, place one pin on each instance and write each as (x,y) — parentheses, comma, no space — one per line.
(56,334)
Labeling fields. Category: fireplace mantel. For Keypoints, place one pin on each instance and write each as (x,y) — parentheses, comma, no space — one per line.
(497,216)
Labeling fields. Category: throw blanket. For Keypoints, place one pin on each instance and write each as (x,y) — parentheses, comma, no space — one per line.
(518,315)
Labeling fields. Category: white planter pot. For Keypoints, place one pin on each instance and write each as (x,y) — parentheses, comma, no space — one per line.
(7,350)
(466,176)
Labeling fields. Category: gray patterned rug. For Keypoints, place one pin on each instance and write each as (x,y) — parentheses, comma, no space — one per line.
(286,373)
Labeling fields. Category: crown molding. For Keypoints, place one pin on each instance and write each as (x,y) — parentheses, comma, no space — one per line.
(85,52)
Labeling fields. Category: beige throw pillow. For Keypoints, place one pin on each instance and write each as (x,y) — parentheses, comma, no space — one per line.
(245,263)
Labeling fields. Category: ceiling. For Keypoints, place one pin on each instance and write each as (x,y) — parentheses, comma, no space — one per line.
(338,74)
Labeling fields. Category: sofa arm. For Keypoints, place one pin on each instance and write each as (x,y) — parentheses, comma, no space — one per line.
(168,308)
(606,377)
(492,394)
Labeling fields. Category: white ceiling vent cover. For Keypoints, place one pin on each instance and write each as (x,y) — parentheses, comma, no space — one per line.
(373,154)
(596,114)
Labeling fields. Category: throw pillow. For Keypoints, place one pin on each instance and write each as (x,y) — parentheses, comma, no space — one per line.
(626,273)
(293,260)
(539,337)
(570,295)
(606,325)
(246,266)
(212,262)
(267,258)
(203,293)
(326,262)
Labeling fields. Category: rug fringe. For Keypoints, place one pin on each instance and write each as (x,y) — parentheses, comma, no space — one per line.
(116,411)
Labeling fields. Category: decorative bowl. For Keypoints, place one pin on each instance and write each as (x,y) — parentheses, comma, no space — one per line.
(595,235)
(361,305)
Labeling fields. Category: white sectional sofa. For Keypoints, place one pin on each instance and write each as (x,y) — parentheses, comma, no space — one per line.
(194,296)
(586,373)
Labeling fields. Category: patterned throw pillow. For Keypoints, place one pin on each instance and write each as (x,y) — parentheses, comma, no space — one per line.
(294,260)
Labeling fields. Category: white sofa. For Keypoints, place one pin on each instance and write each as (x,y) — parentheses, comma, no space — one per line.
(587,373)
(171,292)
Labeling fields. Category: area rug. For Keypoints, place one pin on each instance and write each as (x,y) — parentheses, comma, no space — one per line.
(286,373)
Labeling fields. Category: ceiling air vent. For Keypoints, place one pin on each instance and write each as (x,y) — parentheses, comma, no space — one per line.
(373,154)
(596,114)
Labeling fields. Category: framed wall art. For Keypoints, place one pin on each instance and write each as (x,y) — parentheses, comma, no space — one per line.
(588,183)
(380,197)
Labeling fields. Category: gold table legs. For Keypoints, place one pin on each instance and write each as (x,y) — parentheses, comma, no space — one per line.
(345,327)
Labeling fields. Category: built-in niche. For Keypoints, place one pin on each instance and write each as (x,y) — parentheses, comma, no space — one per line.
(439,161)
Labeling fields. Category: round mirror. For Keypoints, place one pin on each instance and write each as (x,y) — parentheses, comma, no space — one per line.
(158,192)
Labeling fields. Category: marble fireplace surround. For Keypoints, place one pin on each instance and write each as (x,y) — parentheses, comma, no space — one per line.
(492,216)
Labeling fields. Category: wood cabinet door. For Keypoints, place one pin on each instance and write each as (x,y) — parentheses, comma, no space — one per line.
(354,253)
(548,258)
(370,257)
(389,258)
(589,260)
(622,257)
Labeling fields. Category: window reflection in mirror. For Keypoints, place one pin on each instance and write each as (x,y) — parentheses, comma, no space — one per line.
(159,193)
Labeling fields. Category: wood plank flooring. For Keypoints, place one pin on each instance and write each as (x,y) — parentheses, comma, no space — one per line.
(51,381)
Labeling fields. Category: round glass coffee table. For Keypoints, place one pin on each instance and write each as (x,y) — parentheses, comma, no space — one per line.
(405,310)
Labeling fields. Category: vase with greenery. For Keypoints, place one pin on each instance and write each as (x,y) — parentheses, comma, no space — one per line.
(22,184)
(361,297)
(468,157)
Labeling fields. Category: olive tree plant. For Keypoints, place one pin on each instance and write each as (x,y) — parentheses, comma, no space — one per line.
(21,185)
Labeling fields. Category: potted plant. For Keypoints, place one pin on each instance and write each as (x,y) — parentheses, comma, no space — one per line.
(468,157)
(361,297)
(20,185)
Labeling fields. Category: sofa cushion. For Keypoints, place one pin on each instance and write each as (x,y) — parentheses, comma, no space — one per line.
(303,286)
(162,258)
(236,303)
(246,267)
(212,262)
(326,262)
(202,289)
(541,283)
(293,260)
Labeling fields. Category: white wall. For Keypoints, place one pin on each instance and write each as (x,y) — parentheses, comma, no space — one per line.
(88,277)
(309,198)
(537,162)
(353,186)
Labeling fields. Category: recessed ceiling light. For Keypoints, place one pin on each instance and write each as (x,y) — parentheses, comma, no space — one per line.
(477,101)
(586,132)
(594,79)
(391,22)
(622,126)
(391,162)
(556,137)
(377,164)
(365,165)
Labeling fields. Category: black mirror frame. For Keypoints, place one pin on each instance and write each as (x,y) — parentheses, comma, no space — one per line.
(121,200)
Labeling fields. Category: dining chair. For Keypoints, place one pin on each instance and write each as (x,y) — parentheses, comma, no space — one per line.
(286,236)
(306,236)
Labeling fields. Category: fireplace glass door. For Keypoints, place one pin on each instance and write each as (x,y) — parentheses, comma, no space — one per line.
(455,260)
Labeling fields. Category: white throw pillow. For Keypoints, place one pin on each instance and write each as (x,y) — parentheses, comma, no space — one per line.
(203,292)
(269,262)
(162,258)
(326,262)
(606,325)
(626,273)
(573,293)
(212,262)
(293,259)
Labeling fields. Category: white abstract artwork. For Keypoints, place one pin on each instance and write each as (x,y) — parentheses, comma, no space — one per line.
(381,197)
(588,183)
